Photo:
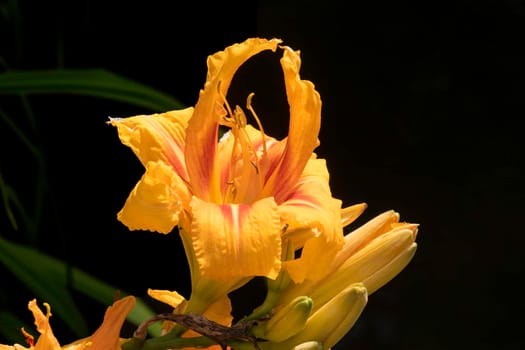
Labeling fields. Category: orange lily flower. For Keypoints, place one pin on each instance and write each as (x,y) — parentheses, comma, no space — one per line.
(235,199)
(106,337)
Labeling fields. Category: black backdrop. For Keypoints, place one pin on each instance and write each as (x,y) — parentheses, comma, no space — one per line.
(421,107)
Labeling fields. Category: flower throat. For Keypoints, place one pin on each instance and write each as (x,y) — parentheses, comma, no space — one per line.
(245,178)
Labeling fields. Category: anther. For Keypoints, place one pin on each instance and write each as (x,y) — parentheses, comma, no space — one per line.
(239,118)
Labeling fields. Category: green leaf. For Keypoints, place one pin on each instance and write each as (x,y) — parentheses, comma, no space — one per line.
(105,293)
(90,82)
(11,327)
(9,195)
(47,277)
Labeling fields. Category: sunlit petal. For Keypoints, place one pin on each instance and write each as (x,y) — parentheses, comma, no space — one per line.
(205,290)
(236,240)
(171,298)
(156,201)
(305,122)
(311,208)
(310,205)
(316,257)
(157,137)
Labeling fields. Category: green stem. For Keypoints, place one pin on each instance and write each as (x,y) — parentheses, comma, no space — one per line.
(274,287)
(168,341)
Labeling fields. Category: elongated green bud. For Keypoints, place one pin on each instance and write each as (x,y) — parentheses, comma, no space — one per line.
(333,320)
(286,322)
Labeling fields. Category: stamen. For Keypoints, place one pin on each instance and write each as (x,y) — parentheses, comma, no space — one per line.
(48,313)
(242,147)
(229,121)
(246,149)
(257,120)
(240,118)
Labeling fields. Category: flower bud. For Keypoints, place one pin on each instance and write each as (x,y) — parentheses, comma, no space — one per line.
(374,265)
(333,320)
(287,321)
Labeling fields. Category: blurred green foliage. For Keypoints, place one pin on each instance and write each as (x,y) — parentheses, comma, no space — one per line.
(48,278)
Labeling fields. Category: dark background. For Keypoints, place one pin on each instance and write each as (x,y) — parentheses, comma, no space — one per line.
(422,107)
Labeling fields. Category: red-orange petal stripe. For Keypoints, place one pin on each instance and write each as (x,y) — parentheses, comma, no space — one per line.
(305,123)
(202,132)
(236,240)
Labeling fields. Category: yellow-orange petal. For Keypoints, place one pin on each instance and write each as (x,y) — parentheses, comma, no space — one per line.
(107,336)
(351,213)
(205,290)
(310,206)
(156,201)
(157,137)
(305,122)
(47,339)
(169,297)
(201,142)
(318,253)
(236,240)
